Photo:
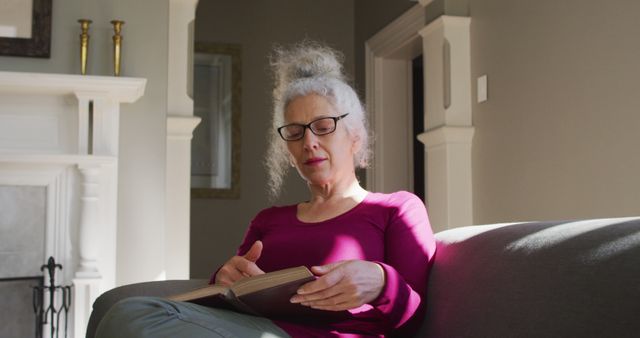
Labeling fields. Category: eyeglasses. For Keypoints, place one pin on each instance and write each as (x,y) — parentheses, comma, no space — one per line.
(321,126)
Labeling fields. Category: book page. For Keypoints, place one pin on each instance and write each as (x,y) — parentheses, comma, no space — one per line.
(206,291)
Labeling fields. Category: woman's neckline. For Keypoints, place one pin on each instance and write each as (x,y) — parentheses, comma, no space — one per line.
(347,212)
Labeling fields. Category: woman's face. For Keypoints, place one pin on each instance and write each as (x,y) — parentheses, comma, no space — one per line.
(324,159)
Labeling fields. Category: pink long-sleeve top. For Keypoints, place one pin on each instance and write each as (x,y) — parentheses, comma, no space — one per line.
(390,229)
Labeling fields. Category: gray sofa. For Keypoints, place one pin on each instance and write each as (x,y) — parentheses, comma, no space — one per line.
(534,279)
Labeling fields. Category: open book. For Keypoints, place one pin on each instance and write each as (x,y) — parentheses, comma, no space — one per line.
(263,295)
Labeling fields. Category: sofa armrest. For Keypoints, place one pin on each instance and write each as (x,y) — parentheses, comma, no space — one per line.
(155,289)
(576,278)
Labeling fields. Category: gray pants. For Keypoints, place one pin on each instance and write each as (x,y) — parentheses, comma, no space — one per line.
(158,317)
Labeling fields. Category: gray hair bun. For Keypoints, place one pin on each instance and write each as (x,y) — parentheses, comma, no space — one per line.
(306,59)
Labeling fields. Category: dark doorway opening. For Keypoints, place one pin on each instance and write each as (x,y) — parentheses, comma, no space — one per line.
(418,127)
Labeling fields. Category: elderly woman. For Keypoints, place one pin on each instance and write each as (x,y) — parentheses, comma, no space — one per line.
(370,251)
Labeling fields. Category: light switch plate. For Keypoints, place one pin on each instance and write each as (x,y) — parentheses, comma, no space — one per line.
(482,88)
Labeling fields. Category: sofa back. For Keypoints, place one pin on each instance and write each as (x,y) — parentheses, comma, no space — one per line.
(536,279)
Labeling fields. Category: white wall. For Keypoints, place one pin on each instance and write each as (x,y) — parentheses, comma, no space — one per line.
(558,137)
(142,124)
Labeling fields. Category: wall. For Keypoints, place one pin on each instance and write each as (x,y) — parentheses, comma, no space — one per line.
(558,137)
(217,225)
(142,124)
(142,151)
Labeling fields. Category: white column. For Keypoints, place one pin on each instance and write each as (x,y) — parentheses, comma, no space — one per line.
(84,129)
(447,67)
(85,292)
(448,151)
(87,277)
(182,13)
(98,123)
(106,122)
(89,233)
(448,123)
(180,125)
(179,134)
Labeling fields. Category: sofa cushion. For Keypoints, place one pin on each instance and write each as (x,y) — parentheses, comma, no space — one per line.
(537,279)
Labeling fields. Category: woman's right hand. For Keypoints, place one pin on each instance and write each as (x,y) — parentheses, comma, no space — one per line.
(240,266)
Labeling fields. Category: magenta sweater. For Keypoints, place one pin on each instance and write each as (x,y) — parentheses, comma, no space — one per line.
(390,229)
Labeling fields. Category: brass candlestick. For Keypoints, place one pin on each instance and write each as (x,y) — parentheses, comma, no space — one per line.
(117,45)
(84,44)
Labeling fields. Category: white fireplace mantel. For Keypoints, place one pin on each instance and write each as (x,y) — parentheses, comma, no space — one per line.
(61,132)
(121,89)
(62,113)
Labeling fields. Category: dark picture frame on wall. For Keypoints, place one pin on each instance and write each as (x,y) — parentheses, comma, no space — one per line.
(39,44)
(215,150)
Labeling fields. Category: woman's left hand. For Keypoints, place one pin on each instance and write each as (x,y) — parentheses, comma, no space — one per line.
(342,286)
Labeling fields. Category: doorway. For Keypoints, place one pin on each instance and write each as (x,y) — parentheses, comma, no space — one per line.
(392,57)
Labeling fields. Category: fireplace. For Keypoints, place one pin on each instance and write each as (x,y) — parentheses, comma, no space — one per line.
(58,180)
(22,234)
(16,310)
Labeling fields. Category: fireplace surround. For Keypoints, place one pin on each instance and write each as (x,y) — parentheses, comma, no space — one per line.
(59,133)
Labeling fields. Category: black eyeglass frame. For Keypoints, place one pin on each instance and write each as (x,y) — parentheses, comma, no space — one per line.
(308,125)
